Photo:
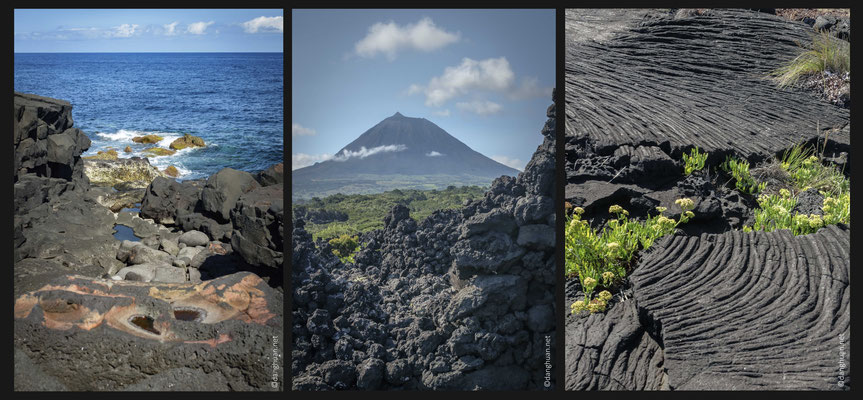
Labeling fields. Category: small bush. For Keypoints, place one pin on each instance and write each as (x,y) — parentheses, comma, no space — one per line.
(807,172)
(345,247)
(774,212)
(739,170)
(694,161)
(826,54)
(601,259)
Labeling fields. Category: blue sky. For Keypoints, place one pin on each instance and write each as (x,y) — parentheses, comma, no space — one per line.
(148,30)
(484,76)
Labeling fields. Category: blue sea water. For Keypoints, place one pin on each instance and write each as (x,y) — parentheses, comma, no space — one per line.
(234,101)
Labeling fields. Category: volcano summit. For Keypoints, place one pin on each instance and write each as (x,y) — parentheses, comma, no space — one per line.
(399,152)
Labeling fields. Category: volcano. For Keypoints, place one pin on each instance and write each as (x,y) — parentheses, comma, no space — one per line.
(398,153)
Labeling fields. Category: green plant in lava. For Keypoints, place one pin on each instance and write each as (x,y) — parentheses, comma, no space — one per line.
(739,170)
(807,171)
(345,247)
(600,259)
(694,161)
(825,54)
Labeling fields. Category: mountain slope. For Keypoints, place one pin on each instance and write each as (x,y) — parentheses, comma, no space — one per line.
(398,152)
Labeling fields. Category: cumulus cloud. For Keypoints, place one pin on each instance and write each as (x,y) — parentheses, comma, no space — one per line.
(390,38)
(299,130)
(198,28)
(493,74)
(479,107)
(363,152)
(264,24)
(123,31)
(301,160)
(510,162)
(490,75)
(433,154)
(170,29)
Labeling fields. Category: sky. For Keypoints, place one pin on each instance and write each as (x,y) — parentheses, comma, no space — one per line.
(148,30)
(484,76)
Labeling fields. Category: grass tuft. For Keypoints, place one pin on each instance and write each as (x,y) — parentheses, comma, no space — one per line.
(825,54)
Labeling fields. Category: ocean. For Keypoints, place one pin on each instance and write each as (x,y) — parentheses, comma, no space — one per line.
(234,101)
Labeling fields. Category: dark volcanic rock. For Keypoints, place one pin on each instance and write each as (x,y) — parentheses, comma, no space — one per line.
(461,300)
(683,327)
(710,307)
(259,227)
(166,199)
(223,189)
(618,92)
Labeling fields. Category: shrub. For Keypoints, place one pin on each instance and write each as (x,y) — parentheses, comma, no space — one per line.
(739,170)
(345,247)
(826,54)
(807,172)
(774,212)
(694,161)
(601,259)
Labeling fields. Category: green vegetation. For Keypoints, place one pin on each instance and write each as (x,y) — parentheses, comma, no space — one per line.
(694,161)
(805,171)
(825,54)
(366,212)
(739,169)
(374,183)
(601,259)
(345,247)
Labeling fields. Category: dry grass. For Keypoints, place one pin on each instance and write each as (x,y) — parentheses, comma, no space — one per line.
(825,54)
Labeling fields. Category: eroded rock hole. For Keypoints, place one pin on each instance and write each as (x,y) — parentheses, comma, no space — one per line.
(188,314)
(144,322)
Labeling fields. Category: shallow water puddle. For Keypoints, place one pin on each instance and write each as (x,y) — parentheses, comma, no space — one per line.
(123,232)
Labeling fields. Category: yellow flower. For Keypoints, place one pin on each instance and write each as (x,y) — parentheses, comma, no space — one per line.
(577,307)
(661,209)
(784,193)
(605,295)
(613,246)
(578,210)
(589,282)
(688,214)
(615,209)
(685,203)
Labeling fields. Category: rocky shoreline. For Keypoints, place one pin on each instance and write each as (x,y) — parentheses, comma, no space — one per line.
(194,244)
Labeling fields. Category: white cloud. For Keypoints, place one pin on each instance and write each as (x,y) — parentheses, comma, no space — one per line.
(299,130)
(171,29)
(264,24)
(479,107)
(491,74)
(124,31)
(198,28)
(389,38)
(510,162)
(433,154)
(301,160)
(363,152)
(444,113)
